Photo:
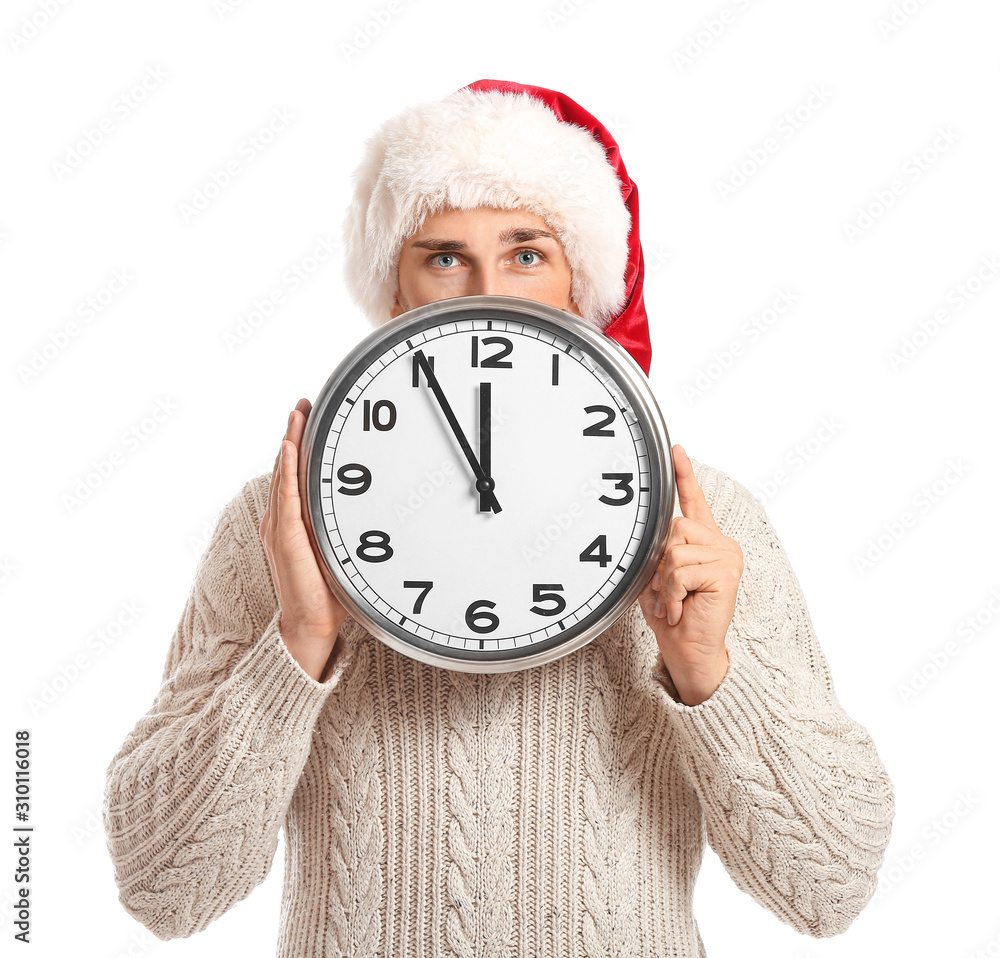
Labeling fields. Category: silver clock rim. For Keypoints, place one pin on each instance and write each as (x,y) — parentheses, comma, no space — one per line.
(627,375)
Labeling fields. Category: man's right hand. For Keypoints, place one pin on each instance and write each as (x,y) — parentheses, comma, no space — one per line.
(311,616)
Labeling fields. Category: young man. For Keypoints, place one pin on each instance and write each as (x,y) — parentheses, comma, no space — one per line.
(555,810)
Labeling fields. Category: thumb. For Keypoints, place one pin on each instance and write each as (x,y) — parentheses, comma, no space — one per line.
(648,600)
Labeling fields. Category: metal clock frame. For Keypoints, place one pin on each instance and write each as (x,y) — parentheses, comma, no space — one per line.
(629,378)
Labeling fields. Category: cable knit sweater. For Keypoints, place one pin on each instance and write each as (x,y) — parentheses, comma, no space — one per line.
(557,811)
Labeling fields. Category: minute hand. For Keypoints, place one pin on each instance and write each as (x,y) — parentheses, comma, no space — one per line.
(484,482)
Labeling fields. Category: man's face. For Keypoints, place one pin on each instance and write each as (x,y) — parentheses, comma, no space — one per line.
(483,251)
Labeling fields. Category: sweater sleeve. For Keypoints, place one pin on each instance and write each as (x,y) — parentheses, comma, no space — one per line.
(796,802)
(196,795)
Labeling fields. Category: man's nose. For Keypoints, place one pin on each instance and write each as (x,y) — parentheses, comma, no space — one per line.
(487,282)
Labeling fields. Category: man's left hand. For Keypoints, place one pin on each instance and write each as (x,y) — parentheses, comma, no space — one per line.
(690,598)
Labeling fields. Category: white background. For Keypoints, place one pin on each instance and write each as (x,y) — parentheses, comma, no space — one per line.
(712,264)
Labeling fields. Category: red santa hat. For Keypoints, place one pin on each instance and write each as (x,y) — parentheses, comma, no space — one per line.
(509,146)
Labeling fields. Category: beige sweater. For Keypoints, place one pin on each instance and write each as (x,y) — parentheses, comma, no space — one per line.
(557,811)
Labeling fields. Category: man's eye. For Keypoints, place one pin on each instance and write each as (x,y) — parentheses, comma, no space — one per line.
(527,257)
(444,260)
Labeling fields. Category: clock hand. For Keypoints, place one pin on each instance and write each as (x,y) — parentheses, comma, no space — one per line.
(485,451)
(484,483)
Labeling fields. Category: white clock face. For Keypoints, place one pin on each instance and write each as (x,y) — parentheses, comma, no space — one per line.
(510,562)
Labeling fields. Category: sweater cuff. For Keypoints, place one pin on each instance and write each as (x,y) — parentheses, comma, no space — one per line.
(269,687)
(731,713)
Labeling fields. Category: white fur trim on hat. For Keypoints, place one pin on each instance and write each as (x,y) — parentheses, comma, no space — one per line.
(495,149)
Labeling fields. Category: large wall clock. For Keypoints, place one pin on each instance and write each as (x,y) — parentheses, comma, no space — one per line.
(488,483)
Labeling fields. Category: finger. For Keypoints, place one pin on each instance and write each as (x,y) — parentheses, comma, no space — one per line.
(692,499)
(683,529)
(292,423)
(296,430)
(681,554)
(272,492)
(686,553)
(272,495)
(288,485)
(649,601)
(282,466)
(678,557)
(687,579)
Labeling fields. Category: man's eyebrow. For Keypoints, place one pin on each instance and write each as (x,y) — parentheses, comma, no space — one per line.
(522,234)
(515,234)
(439,244)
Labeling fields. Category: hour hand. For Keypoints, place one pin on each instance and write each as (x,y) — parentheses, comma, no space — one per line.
(485,485)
